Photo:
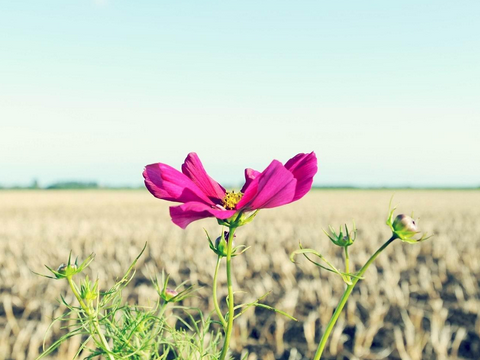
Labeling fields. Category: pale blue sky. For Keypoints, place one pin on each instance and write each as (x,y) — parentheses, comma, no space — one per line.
(385,92)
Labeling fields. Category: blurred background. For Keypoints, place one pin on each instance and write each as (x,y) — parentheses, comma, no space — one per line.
(385,93)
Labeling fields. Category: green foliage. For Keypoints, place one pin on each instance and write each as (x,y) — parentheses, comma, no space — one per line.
(111,328)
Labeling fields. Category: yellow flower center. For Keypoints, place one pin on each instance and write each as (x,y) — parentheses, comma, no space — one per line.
(231,199)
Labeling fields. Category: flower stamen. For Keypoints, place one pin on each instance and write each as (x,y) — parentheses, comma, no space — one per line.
(231,199)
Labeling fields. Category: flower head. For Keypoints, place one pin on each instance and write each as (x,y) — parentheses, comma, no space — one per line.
(203,197)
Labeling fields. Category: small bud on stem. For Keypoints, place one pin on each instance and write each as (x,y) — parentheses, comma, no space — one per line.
(405,228)
(404,223)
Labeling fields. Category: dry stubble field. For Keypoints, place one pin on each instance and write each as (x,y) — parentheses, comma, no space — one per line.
(418,301)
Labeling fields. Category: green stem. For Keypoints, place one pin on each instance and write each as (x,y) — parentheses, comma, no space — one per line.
(215,299)
(329,264)
(93,318)
(156,328)
(161,310)
(343,300)
(347,264)
(228,331)
(77,295)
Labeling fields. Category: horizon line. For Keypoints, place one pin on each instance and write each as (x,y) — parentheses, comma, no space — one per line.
(92,185)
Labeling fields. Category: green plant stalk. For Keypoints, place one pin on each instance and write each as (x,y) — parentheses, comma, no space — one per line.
(343,300)
(347,264)
(92,317)
(231,310)
(215,299)
(161,309)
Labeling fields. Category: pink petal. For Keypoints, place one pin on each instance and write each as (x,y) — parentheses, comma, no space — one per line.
(250,175)
(183,215)
(303,167)
(275,186)
(193,168)
(167,183)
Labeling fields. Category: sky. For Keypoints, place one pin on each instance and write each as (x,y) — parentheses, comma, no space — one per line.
(387,93)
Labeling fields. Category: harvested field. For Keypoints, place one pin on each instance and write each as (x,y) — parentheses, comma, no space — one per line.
(417,302)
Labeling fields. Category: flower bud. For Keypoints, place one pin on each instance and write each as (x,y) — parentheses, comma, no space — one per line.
(221,244)
(172,295)
(340,239)
(404,223)
(62,268)
(89,290)
(405,228)
(68,270)
(168,294)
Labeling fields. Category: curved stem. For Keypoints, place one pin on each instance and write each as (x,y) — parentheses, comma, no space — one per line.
(93,318)
(335,270)
(231,310)
(215,299)
(343,300)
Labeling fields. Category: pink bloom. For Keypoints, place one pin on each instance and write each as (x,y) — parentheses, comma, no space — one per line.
(203,197)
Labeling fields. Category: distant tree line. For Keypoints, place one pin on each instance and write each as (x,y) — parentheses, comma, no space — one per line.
(62,185)
(74,185)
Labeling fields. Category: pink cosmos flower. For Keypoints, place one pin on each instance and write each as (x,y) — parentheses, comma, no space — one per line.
(203,197)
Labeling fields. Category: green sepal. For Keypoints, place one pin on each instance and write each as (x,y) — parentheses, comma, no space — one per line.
(415,241)
(250,218)
(238,219)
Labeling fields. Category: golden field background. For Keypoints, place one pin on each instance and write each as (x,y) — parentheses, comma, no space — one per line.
(418,302)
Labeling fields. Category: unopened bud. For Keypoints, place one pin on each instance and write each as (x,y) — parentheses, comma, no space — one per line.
(221,244)
(168,294)
(404,223)
(65,271)
(340,239)
(405,228)
(89,290)
(61,269)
